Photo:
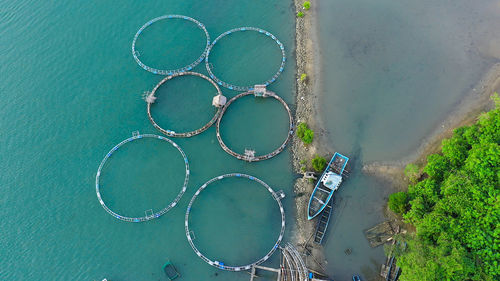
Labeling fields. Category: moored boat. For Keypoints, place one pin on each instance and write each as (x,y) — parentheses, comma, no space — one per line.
(327,184)
(170,271)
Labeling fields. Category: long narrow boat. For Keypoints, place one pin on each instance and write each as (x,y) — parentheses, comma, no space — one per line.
(323,221)
(327,184)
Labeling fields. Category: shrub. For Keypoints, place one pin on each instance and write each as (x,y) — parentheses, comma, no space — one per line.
(308,136)
(398,202)
(300,14)
(303,77)
(412,172)
(318,163)
(307,5)
(304,133)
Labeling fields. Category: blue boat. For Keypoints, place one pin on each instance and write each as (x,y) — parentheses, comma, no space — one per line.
(327,184)
(356,278)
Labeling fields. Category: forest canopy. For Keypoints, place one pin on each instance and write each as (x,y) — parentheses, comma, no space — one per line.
(455,209)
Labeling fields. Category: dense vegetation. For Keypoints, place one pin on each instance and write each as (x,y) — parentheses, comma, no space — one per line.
(304,133)
(318,163)
(454,207)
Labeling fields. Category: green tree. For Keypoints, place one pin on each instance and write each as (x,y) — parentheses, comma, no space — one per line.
(307,5)
(412,172)
(398,202)
(455,211)
(300,14)
(318,163)
(304,133)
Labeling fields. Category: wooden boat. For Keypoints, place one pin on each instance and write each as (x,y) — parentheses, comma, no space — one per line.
(327,184)
(170,271)
(323,221)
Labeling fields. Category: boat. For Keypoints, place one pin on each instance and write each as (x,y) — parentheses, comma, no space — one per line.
(323,221)
(327,184)
(170,271)
(356,278)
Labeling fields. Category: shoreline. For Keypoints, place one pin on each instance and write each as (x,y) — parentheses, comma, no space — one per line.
(306,110)
(307,104)
(466,112)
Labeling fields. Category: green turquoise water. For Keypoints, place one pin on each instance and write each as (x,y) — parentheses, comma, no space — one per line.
(72,91)
(391,72)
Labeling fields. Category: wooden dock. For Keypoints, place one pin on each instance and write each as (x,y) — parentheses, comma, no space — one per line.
(323,221)
(292,266)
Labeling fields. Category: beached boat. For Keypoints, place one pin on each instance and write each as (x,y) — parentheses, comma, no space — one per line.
(327,184)
(170,271)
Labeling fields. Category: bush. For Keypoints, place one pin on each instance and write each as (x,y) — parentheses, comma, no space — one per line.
(455,210)
(303,77)
(308,136)
(304,133)
(300,14)
(307,5)
(398,202)
(318,163)
(412,172)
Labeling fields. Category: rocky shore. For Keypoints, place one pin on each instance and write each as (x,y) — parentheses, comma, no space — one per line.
(306,101)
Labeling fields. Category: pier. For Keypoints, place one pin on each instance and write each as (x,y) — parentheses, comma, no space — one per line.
(292,266)
(261,92)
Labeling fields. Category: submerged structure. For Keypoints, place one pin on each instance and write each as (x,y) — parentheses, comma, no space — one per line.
(328,183)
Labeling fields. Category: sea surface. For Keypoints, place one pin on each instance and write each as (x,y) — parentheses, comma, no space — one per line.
(391,73)
(71,91)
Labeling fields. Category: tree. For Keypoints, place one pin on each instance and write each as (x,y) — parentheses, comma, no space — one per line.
(308,136)
(455,210)
(318,163)
(307,5)
(398,202)
(412,172)
(300,14)
(304,133)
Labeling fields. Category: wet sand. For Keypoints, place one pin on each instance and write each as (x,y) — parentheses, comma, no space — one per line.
(465,113)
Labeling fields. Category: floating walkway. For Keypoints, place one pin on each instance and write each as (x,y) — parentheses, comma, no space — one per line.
(323,221)
(150,99)
(257,91)
(242,29)
(292,267)
(218,264)
(149,214)
(188,67)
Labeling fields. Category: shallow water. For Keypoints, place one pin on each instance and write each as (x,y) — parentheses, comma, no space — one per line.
(391,72)
(72,91)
